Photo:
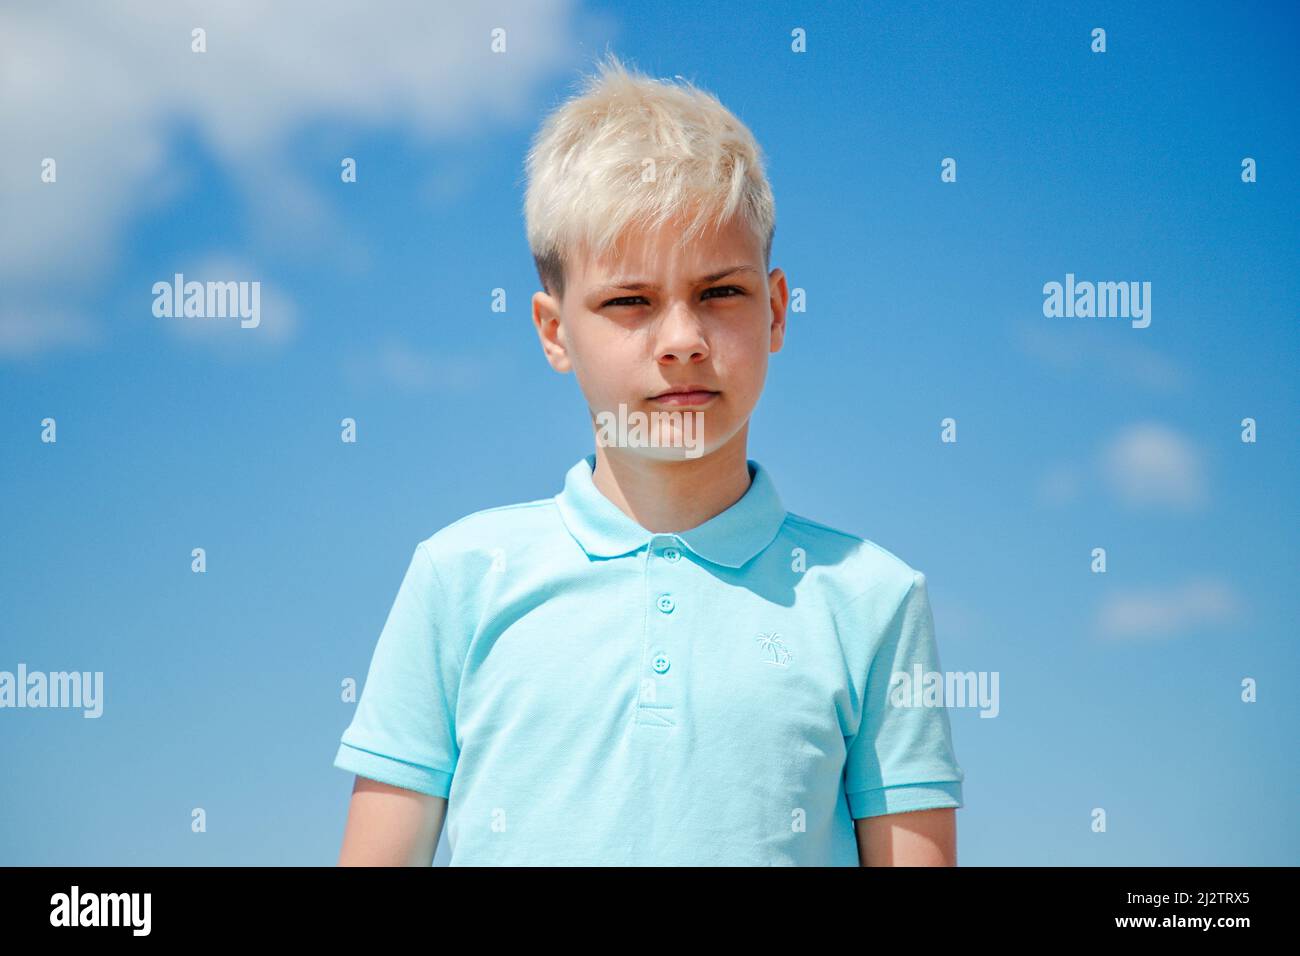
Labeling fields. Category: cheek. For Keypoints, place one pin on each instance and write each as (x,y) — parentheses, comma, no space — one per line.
(745,354)
(604,364)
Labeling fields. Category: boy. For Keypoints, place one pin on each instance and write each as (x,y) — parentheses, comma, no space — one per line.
(659,665)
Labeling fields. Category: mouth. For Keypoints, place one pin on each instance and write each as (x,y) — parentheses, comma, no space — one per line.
(689,396)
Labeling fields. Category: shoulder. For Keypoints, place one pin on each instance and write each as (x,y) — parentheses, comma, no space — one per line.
(851,566)
(476,544)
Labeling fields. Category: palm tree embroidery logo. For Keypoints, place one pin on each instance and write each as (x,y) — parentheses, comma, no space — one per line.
(772,644)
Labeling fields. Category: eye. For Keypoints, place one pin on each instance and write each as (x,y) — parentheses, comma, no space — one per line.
(640,299)
(726,288)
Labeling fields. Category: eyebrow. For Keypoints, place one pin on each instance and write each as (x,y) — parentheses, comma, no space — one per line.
(642,284)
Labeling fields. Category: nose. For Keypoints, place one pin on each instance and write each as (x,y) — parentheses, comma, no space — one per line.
(680,336)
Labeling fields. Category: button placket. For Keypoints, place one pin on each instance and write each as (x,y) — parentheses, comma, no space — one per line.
(660,669)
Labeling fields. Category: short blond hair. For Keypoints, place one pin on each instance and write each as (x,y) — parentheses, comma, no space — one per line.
(585,166)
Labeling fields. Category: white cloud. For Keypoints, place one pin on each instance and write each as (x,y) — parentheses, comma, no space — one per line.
(1060,485)
(1165,612)
(1101,351)
(447,184)
(1152,464)
(25,333)
(1142,465)
(103,89)
(276,321)
(408,369)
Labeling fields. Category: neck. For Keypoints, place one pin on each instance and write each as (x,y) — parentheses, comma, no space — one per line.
(673,496)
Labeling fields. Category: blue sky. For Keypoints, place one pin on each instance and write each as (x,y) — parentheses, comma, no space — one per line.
(1119,690)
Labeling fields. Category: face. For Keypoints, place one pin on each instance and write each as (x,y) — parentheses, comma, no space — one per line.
(648,318)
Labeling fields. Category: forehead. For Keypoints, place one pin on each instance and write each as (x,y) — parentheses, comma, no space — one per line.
(654,256)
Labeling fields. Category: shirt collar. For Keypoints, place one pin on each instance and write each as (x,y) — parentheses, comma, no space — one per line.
(730,538)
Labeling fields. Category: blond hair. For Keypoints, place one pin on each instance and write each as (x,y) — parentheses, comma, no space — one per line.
(587,169)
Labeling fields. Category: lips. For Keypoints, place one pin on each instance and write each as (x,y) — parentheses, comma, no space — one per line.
(692,396)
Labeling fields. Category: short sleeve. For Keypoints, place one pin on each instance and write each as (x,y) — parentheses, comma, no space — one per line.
(901,757)
(403,731)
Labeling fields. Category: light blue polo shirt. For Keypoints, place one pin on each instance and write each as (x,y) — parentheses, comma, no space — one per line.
(587,692)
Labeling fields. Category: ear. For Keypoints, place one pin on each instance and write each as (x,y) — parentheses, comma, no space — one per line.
(550,332)
(778,293)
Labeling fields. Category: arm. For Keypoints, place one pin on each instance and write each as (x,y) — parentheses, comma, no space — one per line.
(913,838)
(901,776)
(401,743)
(390,826)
